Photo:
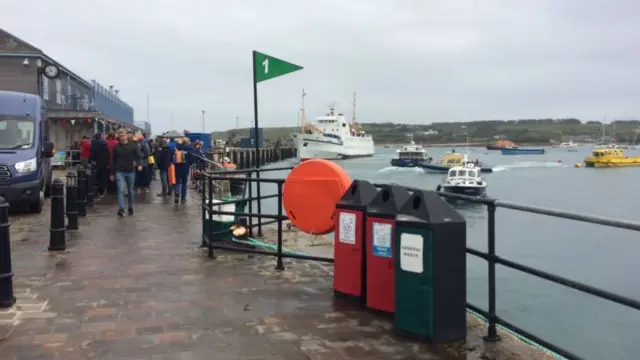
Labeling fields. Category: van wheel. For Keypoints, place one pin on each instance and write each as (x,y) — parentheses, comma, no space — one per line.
(36,207)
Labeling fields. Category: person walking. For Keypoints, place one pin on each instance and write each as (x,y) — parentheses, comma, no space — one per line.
(181,164)
(163,157)
(99,157)
(126,159)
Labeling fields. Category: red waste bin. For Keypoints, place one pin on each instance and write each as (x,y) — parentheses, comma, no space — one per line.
(349,244)
(380,274)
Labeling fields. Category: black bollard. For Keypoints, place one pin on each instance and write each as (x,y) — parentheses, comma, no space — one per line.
(72,201)
(57,231)
(6,273)
(90,185)
(82,191)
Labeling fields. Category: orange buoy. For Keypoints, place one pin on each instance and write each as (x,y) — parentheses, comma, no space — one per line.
(311,192)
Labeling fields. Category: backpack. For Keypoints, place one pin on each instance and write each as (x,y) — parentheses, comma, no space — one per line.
(179,157)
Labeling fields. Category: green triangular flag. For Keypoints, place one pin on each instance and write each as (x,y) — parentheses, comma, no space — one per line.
(267,67)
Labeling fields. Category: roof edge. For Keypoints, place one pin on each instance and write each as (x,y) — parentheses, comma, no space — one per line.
(43,56)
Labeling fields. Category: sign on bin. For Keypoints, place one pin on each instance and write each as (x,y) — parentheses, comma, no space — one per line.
(347,228)
(382,239)
(349,242)
(411,254)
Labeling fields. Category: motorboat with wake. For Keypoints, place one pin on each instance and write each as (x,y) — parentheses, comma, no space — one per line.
(464,180)
(451,160)
(410,155)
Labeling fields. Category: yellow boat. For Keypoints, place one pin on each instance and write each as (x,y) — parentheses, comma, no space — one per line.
(610,157)
(450,160)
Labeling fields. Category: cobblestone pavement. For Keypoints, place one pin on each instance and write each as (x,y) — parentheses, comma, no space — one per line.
(139,288)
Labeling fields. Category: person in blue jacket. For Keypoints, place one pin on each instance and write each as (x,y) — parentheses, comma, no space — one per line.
(182,160)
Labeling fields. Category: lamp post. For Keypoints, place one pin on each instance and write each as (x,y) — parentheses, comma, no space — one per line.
(203,121)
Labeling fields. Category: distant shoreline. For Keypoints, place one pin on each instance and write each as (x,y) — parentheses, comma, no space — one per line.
(471,144)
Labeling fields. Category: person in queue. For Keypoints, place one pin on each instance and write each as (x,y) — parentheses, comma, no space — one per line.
(85,151)
(111,143)
(126,158)
(143,176)
(182,158)
(163,157)
(99,157)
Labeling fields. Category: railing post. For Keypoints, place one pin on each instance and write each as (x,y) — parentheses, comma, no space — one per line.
(259,198)
(492,333)
(203,200)
(82,191)
(210,217)
(6,271)
(279,264)
(57,230)
(202,171)
(250,185)
(90,184)
(72,201)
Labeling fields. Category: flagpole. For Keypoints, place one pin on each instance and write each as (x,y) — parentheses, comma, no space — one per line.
(257,140)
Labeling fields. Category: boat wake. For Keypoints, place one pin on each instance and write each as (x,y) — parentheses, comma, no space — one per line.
(391,169)
(528,164)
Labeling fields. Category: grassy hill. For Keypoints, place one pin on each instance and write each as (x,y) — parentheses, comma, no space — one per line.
(522,131)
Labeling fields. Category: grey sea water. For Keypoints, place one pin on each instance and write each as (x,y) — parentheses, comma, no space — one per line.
(600,256)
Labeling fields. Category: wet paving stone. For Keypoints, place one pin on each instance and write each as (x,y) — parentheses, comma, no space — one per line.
(140,288)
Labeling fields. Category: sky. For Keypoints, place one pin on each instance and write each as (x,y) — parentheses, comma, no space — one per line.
(409,61)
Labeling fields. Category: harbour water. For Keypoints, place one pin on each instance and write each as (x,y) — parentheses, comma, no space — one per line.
(600,256)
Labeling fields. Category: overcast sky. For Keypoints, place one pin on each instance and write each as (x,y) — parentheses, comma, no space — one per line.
(413,61)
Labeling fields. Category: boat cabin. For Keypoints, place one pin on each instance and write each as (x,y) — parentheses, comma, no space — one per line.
(412,152)
(453,159)
(608,152)
(464,173)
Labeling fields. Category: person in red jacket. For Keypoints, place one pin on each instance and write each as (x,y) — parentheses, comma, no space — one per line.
(85,151)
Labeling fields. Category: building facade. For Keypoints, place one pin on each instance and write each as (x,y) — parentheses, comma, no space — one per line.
(75,107)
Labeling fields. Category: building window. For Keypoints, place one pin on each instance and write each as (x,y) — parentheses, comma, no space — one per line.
(58,91)
(45,87)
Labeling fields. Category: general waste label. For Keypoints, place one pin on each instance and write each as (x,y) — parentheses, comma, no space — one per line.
(411,253)
(347,228)
(382,239)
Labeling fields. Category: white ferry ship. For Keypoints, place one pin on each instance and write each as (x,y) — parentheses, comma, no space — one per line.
(332,137)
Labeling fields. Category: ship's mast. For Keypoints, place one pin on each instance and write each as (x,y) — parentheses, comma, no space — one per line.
(353,116)
(303,119)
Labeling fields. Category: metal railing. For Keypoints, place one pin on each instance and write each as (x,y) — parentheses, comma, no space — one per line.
(489,256)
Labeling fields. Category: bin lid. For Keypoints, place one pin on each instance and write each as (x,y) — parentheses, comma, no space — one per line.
(358,195)
(388,201)
(429,208)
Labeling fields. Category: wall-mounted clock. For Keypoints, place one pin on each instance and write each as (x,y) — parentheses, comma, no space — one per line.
(51,71)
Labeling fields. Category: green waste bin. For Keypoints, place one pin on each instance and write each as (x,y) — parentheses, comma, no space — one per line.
(430,270)
(224,222)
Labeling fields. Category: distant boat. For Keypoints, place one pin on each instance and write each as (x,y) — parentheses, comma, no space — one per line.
(570,146)
(502,144)
(332,137)
(519,151)
(410,155)
(451,160)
